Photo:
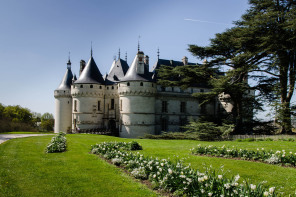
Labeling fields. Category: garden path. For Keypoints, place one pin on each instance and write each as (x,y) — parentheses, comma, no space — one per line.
(5,137)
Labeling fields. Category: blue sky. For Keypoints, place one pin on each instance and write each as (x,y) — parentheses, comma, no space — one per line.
(37,35)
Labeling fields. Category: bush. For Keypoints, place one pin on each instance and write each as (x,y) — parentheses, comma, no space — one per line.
(208,131)
(135,146)
(58,143)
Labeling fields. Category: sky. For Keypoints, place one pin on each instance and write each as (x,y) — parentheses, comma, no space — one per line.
(36,37)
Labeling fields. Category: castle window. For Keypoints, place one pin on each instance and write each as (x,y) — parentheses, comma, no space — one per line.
(100,87)
(164,106)
(172,89)
(75,105)
(183,107)
(107,88)
(99,105)
(164,124)
(112,87)
(152,85)
(141,84)
(81,86)
(120,105)
(128,84)
(112,103)
(201,90)
(91,86)
(162,89)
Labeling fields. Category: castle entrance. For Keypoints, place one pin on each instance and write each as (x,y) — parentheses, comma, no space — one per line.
(112,127)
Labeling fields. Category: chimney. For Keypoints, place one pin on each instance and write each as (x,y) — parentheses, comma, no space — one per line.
(146,62)
(82,65)
(140,65)
(185,60)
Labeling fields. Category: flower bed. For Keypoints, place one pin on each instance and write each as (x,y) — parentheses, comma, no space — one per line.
(270,156)
(177,178)
(58,143)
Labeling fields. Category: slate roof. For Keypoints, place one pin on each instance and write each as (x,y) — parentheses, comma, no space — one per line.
(132,74)
(90,74)
(117,71)
(172,63)
(67,80)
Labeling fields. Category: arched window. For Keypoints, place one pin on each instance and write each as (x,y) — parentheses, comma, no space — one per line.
(112,87)
(100,87)
(128,84)
(141,84)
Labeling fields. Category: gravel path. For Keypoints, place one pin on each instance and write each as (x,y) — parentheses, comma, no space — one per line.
(5,137)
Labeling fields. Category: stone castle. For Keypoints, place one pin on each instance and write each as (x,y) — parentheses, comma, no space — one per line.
(128,100)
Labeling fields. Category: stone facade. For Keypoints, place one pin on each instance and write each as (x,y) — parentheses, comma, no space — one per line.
(128,100)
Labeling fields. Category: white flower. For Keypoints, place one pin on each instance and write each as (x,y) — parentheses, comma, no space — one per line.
(227,185)
(220,176)
(271,190)
(160,170)
(161,164)
(210,194)
(170,171)
(202,191)
(205,177)
(265,194)
(200,179)
(154,176)
(253,187)
(236,178)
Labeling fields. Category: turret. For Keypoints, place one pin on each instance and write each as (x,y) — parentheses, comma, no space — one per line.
(137,100)
(88,98)
(63,102)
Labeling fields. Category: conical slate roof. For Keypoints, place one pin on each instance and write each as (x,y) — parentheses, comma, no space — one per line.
(90,73)
(132,74)
(117,71)
(67,80)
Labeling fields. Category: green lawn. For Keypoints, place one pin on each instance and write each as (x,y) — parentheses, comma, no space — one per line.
(26,170)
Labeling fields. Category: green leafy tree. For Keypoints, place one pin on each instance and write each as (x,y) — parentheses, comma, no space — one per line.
(273,24)
(228,49)
(47,122)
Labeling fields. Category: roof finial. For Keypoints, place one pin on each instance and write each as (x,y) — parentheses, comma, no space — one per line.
(91,52)
(139,43)
(126,56)
(119,53)
(158,53)
(69,62)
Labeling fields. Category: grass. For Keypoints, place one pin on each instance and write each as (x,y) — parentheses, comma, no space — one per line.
(26,170)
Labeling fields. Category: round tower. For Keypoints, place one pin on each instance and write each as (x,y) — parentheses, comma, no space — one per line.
(88,99)
(137,101)
(63,103)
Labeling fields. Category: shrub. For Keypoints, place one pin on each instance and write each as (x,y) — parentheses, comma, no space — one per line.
(208,131)
(58,143)
(271,157)
(135,146)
